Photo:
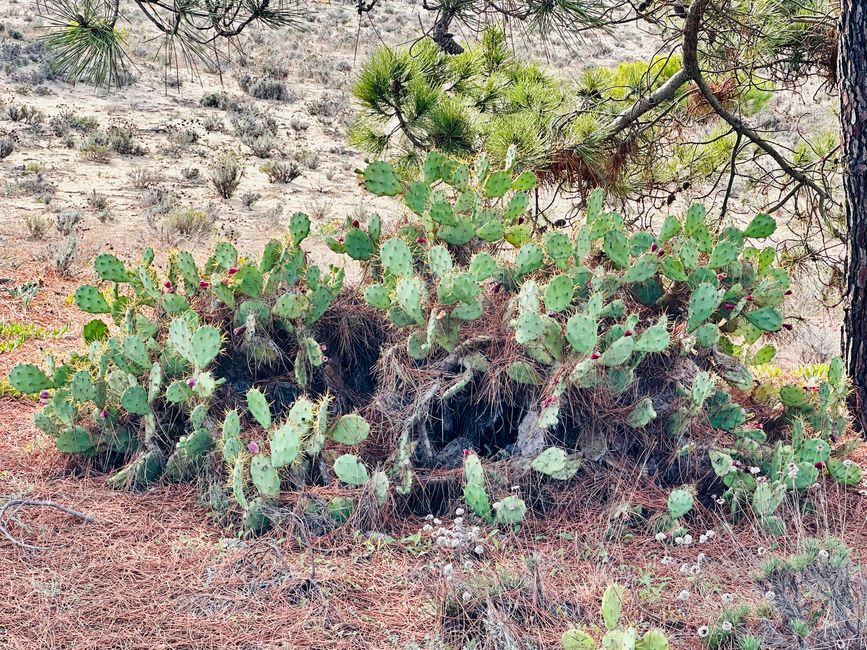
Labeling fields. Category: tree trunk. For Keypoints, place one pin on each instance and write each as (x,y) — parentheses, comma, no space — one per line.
(853,119)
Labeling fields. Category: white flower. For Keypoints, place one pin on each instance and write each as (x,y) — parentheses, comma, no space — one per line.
(678,540)
(459,521)
(442,541)
(727,626)
(703,631)
(770,595)
(667,559)
(448,569)
(701,557)
(727,598)
(683,595)
(684,569)
(437,522)
(754,470)
(687,539)
(468,565)
(459,512)
(720,501)
(761,551)
(695,569)
(498,505)
(823,554)
(702,539)
(429,517)
(710,534)
(478,550)
(427,528)
(660,537)
(466,596)
(515,488)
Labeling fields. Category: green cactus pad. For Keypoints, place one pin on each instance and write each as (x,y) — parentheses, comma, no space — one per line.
(644,268)
(618,352)
(491,231)
(724,253)
(441,212)
(655,338)
(259,408)
(357,244)
(89,299)
(291,306)
(483,266)
(285,444)
(529,259)
(299,228)
(135,400)
(642,414)
(75,440)
(524,373)
(845,472)
(377,295)
(524,182)
(556,463)
(511,511)
(576,639)
(559,249)
(29,379)
(110,268)
(498,184)
(679,503)
(762,225)
(439,260)
(350,470)
(408,294)
(704,300)
(767,319)
(517,205)
(205,345)
(350,429)
(582,332)
(396,257)
(559,292)
(616,247)
(379,178)
(416,196)
(459,234)
(264,475)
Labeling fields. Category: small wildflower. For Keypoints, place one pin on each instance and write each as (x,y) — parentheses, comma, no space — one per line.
(459,521)
(459,512)
(44,394)
(466,596)
(703,631)
(448,569)
(429,517)
(515,488)
(702,539)
(684,569)
(720,501)
(710,534)
(726,626)
(754,470)
(687,539)
(468,565)
(683,595)
(660,537)
(701,557)
(479,550)
(761,551)
(770,595)
(427,528)
(191,382)
(727,598)
(666,560)
(437,522)
(694,570)
(678,540)
(823,554)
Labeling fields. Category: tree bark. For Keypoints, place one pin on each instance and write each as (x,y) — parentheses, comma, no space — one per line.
(853,121)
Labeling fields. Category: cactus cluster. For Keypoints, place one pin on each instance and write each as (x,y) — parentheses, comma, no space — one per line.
(580,309)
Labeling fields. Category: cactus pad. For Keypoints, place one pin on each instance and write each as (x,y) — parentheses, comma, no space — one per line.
(110,268)
(379,178)
(350,429)
(27,378)
(89,299)
(396,257)
(350,470)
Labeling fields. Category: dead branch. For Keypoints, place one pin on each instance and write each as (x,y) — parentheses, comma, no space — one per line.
(13,505)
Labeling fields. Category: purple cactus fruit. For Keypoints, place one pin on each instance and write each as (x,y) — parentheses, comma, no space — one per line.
(238,330)
(721,276)
(422,240)
(728,305)
(520,220)
(627,333)
(788,292)
(168,284)
(232,270)
(787,326)
(820,465)
(103,414)
(750,298)
(253,447)
(660,252)
(191,382)
(654,248)
(204,284)
(44,394)
(355,223)
(340,239)
(595,355)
